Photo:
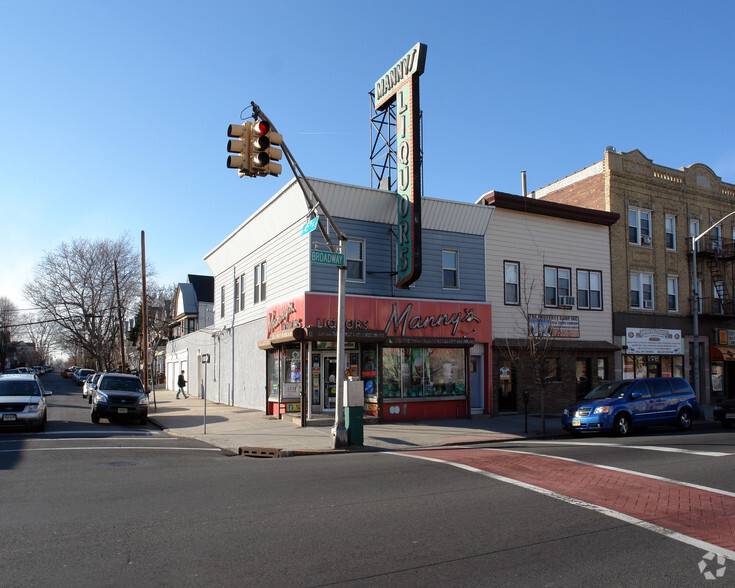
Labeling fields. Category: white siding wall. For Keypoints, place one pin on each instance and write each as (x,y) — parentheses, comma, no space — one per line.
(534,241)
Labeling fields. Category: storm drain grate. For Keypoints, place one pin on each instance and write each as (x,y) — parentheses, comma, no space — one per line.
(259,452)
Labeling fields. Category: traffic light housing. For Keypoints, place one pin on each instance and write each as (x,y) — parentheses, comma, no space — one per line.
(241,144)
(263,154)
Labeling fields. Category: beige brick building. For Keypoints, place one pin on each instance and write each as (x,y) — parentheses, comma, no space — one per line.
(660,209)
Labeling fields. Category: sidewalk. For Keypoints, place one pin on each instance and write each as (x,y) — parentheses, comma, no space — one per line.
(251,432)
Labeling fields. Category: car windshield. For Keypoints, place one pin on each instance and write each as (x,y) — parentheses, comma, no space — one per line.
(611,390)
(18,388)
(121,384)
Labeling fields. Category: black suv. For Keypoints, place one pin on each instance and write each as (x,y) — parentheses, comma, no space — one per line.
(119,396)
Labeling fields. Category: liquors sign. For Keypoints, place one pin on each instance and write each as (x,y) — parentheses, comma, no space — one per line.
(401,84)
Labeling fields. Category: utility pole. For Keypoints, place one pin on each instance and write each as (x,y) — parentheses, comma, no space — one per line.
(144,308)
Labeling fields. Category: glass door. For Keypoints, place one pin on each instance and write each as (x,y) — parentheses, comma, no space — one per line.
(329,381)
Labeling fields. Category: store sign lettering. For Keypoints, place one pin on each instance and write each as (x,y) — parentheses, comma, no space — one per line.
(349,324)
(404,321)
(280,321)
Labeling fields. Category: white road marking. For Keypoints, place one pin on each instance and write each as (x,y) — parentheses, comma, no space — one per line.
(107,448)
(593,507)
(644,447)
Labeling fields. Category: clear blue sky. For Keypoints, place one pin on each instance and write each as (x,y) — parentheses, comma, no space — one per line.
(114,114)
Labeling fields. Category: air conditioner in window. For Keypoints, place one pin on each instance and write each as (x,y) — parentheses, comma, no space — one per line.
(645,240)
(566,301)
(648,304)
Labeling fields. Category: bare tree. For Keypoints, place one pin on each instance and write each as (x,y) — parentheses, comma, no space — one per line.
(74,286)
(538,345)
(8,320)
(40,333)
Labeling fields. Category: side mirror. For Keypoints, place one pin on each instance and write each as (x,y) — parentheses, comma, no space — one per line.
(48,393)
(635,395)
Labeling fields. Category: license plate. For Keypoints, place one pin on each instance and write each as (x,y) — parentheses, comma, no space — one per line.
(730,415)
(576,422)
(8,417)
(122,410)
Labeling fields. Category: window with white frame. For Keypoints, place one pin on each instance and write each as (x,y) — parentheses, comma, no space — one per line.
(511,279)
(716,238)
(589,289)
(670,232)
(259,283)
(641,291)
(693,231)
(222,302)
(717,292)
(639,226)
(450,269)
(672,293)
(355,258)
(557,286)
(242,292)
(236,296)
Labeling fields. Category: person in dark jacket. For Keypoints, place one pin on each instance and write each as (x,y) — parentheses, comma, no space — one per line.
(181,383)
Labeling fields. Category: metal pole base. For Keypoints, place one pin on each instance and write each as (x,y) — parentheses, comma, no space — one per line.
(339,437)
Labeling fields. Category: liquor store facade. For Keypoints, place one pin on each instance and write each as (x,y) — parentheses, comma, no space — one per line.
(418,359)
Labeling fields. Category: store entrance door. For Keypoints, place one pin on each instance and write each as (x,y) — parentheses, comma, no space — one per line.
(329,381)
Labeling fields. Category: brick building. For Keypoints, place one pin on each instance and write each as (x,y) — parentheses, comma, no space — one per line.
(660,210)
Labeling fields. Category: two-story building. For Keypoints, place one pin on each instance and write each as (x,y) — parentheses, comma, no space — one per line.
(422,352)
(549,281)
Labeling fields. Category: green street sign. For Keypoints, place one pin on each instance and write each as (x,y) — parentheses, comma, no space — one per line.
(328,257)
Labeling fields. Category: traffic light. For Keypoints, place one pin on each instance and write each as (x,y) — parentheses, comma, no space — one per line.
(241,145)
(263,154)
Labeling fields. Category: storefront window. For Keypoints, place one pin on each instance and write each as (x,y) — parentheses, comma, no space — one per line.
(369,376)
(652,366)
(718,376)
(292,372)
(274,368)
(423,372)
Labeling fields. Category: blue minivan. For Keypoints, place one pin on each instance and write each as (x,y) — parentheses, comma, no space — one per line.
(618,407)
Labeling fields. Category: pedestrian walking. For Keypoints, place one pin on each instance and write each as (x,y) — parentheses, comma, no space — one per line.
(181,382)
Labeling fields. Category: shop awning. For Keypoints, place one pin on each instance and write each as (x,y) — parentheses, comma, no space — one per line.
(721,353)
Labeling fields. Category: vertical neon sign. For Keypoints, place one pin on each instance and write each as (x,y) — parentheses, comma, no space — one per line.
(401,83)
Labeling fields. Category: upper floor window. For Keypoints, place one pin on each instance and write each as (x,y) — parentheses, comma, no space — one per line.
(512,282)
(694,231)
(222,302)
(641,290)
(242,292)
(716,238)
(589,289)
(639,226)
(557,286)
(450,269)
(717,295)
(670,232)
(236,296)
(355,258)
(672,293)
(259,283)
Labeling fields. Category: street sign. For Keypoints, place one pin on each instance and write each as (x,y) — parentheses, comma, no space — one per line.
(328,257)
(310,226)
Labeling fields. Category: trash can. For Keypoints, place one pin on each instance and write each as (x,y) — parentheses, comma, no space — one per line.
(354,399)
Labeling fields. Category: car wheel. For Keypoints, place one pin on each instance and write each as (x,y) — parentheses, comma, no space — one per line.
(42,424)
(684,421)
(95,417)
(143,420)
(726,424)
(90,399)
(622,425)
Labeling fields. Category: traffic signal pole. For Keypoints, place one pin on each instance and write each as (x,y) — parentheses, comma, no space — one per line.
(339,432)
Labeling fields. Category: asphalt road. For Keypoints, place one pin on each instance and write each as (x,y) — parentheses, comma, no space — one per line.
(119,504)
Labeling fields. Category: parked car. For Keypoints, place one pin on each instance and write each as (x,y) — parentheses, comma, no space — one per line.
(81,375)
(119,396)
(725,413)
(23,401)
(621,406)
(89,385)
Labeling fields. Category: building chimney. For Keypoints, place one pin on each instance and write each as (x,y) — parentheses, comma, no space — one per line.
(523,184)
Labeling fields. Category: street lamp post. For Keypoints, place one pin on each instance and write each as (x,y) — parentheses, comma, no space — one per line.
(695,310)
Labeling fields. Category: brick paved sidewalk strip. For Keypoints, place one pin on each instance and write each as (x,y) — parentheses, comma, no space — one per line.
(705,515)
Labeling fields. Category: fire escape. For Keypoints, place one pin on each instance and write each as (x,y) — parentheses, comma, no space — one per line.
(719,255)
